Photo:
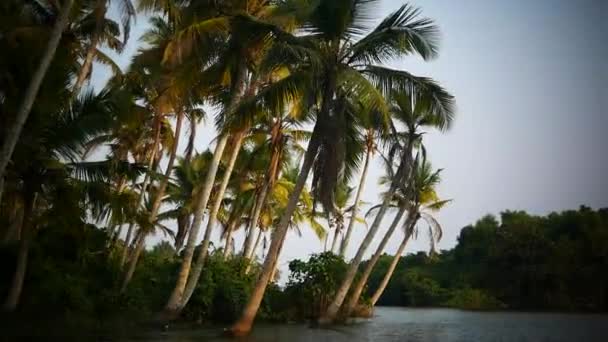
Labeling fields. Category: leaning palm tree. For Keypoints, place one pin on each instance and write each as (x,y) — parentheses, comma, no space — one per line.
(242,30)
(424,202)
(373,126)
(415,116)
(336,61)
(13,131)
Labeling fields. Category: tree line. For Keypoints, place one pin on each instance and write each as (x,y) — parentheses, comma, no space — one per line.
(519,261)
(301,100)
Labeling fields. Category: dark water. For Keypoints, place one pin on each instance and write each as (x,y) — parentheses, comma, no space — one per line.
(401,324)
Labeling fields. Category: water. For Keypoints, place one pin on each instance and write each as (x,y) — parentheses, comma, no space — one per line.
(404,324)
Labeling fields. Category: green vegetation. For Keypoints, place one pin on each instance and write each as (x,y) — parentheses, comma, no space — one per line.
(89,177)
(523,262)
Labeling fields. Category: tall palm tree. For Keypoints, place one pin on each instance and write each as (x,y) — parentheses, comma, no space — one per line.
(413,113)
(240,22)
(373,127)
(335,61)
(13,130)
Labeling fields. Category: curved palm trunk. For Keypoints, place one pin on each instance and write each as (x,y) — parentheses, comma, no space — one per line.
(358,288)
(243,325)
(202,254)
(351,224)
(391,269)
(334,307)
(270,178)
(156,204)
(13,131)
(139,247)
(176,297)
(14,294)
(174,302)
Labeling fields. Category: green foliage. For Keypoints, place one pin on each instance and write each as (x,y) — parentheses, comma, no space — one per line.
(312,284)
(473,299)
(555,262)
(222,291)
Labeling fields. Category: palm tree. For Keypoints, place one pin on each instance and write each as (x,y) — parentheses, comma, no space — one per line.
(46,168)
(246,36)
(331,63)
(104,32)
(414,115)
(424,202)
(13,131)
(373,126)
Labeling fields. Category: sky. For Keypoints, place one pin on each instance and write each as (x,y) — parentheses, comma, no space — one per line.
(531,85)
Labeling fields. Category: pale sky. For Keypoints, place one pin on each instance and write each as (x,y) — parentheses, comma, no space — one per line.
(530,80)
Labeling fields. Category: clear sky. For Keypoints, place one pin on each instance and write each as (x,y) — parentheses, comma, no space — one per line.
(531,84)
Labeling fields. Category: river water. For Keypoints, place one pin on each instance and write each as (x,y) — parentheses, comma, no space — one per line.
(405,324)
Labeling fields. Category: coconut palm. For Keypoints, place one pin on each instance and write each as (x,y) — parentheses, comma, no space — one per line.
(13,131)
(240,22)
(336,61)
(414,115)
(97,30)
(373,126)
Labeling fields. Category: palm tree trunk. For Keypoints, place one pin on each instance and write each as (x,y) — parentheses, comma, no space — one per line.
(13,232)
(100,12)
(243,325)
(156,204)
(27,231)
(334,307)
(389,272)
(86,66)
(125,251)
(202,254)
(229,230)
(139,247)
(183,226)
(13,131)
(176,297)
(335,240)
(165,181)
(358,288)
(273,274)
(351,224)
(255,245)
(248,243)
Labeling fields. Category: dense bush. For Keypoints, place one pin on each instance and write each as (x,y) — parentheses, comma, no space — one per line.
(312,284)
